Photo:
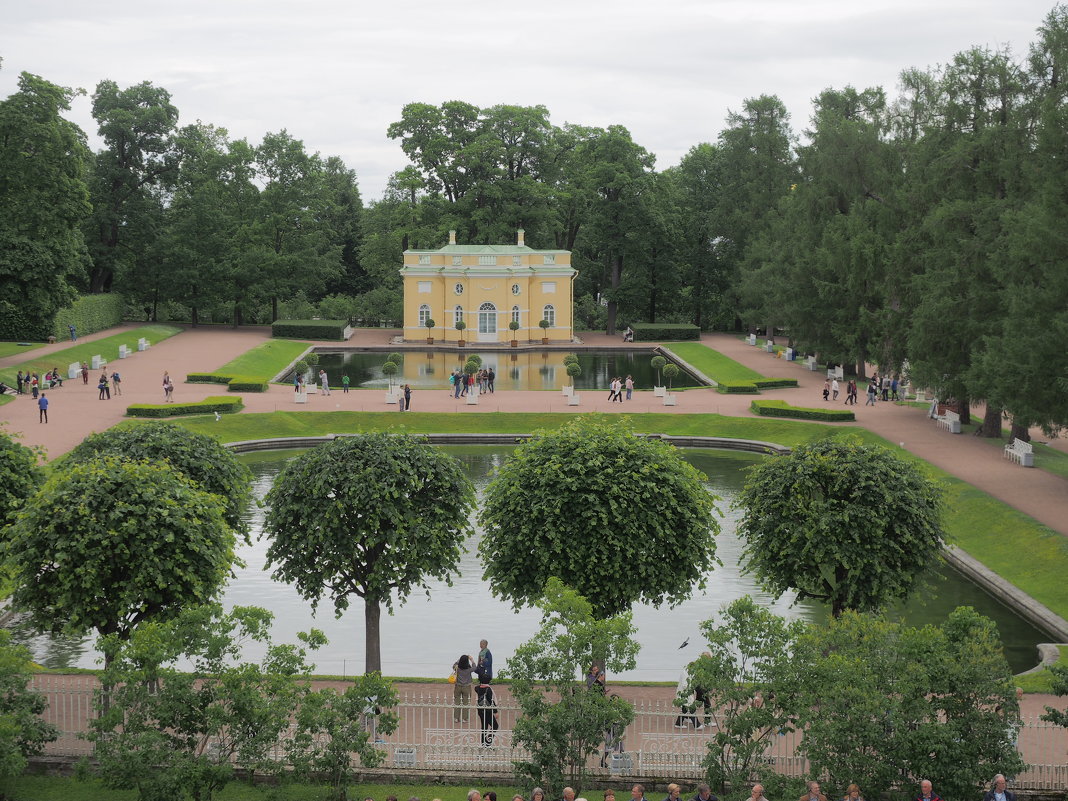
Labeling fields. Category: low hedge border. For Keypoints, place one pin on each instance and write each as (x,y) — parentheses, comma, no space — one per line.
(665,332)
(246,383)
(773,383)
(208,378)
(217,403)
(737,387)
(778,408)
(309,329)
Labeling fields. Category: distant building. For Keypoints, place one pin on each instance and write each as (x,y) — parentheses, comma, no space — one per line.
(488,286)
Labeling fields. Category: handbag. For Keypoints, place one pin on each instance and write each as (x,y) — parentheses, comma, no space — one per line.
(452,677)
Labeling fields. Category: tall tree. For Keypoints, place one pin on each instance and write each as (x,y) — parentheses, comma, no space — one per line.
(131,174)
(44,197)
(375,516)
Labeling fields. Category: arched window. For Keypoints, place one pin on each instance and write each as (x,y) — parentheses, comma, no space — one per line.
(549,313)
(515,314)
(487,319)
(458,314)
(424,315)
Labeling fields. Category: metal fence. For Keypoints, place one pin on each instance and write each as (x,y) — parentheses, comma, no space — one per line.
(435,735)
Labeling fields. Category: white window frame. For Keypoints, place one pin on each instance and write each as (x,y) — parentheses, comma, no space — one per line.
(516,314)
(548,258)
(487,261)
(424,315)
(424,259)
(548,287)
(425,287)
(457,314)
(457,288)
(457,261)
(549,313)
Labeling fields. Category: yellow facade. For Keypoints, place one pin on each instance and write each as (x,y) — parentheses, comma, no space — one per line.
(488,286)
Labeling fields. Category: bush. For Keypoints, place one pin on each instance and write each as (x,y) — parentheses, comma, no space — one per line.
(735,387)
(89,314)
(772,383)
(208,378)
(246,383)
(309,329)
(217,403)
(22,324)
(665,332)
(778,408)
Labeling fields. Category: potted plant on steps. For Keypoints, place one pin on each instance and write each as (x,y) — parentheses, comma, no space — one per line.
(429,331)
(460,326)
(389,369)
(513,327)
(569,360)
(670,372)
(574,369)
(471,367)
(657,363)
(301,369)
(544,325)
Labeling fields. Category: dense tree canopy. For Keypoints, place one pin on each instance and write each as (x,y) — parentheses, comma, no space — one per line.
(372,515)
(623,517)
(19,478)
(845,523)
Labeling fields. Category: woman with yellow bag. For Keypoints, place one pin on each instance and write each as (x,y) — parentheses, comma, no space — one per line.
(462,671)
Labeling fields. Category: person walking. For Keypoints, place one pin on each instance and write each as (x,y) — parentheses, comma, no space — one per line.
(491,377)
(827,389)
(834,389)
(407,398)
(871,394)
(85,373)
(42,406)
(116,381)
(73,333)
(168,388)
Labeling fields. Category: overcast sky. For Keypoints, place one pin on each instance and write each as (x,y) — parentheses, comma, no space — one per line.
(336,73)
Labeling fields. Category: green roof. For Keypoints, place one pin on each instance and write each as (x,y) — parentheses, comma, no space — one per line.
(510,250)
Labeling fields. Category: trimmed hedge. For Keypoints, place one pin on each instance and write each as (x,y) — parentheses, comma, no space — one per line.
(246,383)
(665,332)
(208,378)
(89,314)
(309,329)
(737,387)
(772,383)
(218,403)
(778,408)
(22,323)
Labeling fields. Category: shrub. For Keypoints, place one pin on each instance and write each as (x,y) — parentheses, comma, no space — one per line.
(246,383)
(208,378)
(772,383)
(309,329)
(665,332)
(22,324)
(778,408)
(89,314)
(733,387)
(217,403)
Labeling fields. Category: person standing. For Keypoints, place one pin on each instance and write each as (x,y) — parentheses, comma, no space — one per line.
(85,373)
(104,386)
(630,386)
(834,389)
(461,689)
(42,409)
(813,793)
(871,394)
(18,383)
(407,398)
(485,659)
(927,792)
(116,381)
(324,382)
(168,388)
(491,376)
(853,793)
(487,709)
(345,384)
(704,793)
(827,389)
(73,333)
(998,792)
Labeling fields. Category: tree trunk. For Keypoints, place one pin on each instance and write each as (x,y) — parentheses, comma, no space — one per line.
(991,426)
(195,317)
(615,273)
(1019,432)
(372,616)
(274,309)
(964,406)
(155,303)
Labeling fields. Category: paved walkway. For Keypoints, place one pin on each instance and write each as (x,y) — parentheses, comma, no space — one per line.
(75,410)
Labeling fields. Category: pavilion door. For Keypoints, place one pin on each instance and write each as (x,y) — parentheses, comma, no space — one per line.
(487,323)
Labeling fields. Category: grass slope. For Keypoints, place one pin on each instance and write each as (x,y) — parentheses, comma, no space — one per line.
(108,347)
(264,361)
(11,348)
(713,363)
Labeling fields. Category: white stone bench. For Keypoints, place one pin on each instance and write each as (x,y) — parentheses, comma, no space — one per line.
(124,351)
(790,355)
(143,344)
(462,749)
(74,369)
(751,339)
(837,372)
(950,421)
(97,362)
(1021,452)
(810,363)
(769,346)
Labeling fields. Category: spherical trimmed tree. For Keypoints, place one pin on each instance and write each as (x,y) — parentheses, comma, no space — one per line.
(387,514)
(670,371)
(657,363)
(850,524)
(389,369)
(574,369)
(622,517)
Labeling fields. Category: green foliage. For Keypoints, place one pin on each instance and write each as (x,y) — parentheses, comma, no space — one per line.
(89,314)
(210,465)
(778,408)
(475,359)
(665,332)
(563,723)
(657,363)
(390,369)
(571,358)
(372,515)
(544,324)
(842,522)
(18,322)
(750,654)
(1059,687)
(20,478)
(459,325)
(309,329)
(246,383)
(513,325)
(738,387)
(109,543)
(264,361)
(671,371)
(213,403)
(312,358)
(395,357)
(184,712)
(714,364)
(774,383)
(574,370)
(301,367)
(336,731)
(591,504)
(23,730)
(208,378)
(430,323)
(471,367)
(882,703)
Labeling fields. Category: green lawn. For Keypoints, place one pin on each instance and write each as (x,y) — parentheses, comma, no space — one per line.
(11,348)
(56,788)
(1049,459)
(1042,680)
(265,361)
(108,347)
(986,528)
(713,363)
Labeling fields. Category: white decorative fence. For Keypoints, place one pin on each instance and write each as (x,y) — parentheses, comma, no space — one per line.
(433,736)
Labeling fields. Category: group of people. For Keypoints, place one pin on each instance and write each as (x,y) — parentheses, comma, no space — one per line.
(34,384)
(465,671)
(104,387)
(616,387)
(460,383)
(886,385)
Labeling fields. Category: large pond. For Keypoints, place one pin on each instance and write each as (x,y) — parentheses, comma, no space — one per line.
(515,370)
(424,637)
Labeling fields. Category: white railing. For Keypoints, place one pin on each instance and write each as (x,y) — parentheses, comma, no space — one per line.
(432,735)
